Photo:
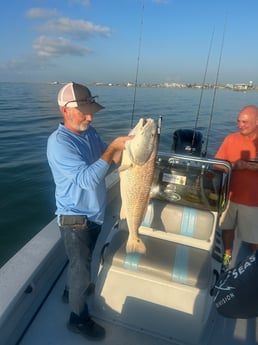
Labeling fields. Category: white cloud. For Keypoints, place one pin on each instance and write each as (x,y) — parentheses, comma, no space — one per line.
(25,63)
(49,46)
(47,49)
(41,13)
(75,27)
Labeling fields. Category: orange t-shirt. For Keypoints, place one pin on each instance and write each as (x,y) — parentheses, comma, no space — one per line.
(243,183)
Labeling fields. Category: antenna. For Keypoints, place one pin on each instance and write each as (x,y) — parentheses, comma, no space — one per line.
(137,68)
(215,88)
(203,83)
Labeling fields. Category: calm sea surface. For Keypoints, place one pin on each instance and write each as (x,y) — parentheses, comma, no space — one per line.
(29,113)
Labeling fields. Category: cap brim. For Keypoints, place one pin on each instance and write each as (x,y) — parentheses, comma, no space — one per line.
(90,108)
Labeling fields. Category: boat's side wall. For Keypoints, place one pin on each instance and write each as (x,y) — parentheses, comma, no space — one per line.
(26,279)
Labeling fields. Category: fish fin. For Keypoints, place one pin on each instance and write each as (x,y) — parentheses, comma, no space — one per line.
(124,167)
(122,213)
(135,245)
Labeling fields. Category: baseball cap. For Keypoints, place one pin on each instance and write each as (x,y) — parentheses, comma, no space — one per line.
(74,95)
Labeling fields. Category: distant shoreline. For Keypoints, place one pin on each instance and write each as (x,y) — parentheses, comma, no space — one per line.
(233,87)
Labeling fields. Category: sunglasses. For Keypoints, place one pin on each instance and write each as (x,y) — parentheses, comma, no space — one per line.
(88,100)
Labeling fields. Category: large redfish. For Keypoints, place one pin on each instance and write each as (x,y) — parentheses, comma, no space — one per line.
(136,174)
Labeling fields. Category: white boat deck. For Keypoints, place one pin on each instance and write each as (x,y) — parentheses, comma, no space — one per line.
(49,328)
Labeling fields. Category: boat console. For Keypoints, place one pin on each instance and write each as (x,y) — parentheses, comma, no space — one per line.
(191,181)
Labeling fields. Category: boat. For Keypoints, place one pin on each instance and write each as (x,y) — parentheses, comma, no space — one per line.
(158,298)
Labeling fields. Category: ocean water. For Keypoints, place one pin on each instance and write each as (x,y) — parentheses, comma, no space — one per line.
(29,113)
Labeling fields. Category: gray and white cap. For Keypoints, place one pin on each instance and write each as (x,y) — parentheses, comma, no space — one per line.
(74,95)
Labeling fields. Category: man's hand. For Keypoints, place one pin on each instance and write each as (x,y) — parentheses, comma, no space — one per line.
(114,150)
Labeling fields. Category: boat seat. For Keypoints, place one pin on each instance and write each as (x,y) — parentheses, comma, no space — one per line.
(164,260)
(178,219)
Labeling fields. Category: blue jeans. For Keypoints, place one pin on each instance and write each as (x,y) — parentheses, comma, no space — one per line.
(79,246)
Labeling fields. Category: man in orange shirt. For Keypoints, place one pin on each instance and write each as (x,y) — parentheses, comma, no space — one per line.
(241,150)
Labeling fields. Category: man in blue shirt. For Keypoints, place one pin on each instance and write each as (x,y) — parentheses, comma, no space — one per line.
(79,161)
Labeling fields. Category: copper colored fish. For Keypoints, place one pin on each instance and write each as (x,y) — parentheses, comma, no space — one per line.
(136,174)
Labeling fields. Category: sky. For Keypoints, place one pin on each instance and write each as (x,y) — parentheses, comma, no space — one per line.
(121,41)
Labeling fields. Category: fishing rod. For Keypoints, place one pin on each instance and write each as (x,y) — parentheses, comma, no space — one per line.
(202,89)
(138,63)
(136,79)
(215,88)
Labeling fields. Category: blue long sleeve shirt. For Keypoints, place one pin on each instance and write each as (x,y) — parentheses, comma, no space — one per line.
(79,172)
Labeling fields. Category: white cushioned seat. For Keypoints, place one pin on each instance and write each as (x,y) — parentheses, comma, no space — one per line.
(164,260)
(179,219)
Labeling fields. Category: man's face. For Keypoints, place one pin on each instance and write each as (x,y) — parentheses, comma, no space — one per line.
(75,120)
(247,123)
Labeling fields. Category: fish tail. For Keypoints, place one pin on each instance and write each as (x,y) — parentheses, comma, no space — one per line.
(135,245)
